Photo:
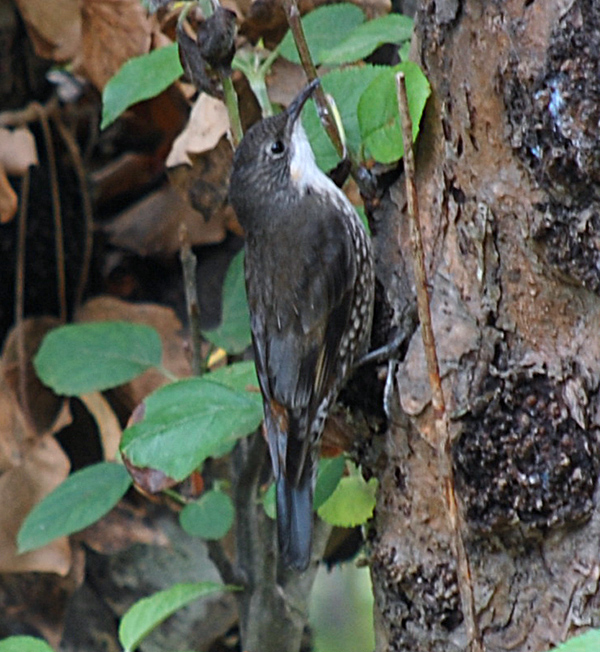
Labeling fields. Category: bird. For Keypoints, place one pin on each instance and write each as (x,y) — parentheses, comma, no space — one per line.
(309,274)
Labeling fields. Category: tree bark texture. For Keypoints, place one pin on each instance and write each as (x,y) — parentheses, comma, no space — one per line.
(508,174)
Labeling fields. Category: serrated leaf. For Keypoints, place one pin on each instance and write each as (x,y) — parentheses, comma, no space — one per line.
(24,644)
(346,86)
(80,358)
(233,334)
(140,79)
(328,478)
(210,517)
(147,614)
(186,422)
(378,114)
(365,38)
(352,502)
(322,27)
(82,499)
(588,642)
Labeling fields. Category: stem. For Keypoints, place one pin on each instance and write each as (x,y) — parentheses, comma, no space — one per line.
(231,102)
(20,296)
(360,174)
(442,443)
(188,264)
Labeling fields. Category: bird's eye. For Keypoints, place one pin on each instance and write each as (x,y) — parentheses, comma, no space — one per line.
(277,147)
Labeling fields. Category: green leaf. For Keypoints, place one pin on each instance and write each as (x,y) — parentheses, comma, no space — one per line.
(147,614)
(364,39)
(233,334)
(82,499)
(378,113)
(240,376)
(328,478)
(80,358)
(346,86)
(268,502)
(139,79)
(351,504)
(211,517)
(187,421)
(24,644)
(322,27)
(588,642)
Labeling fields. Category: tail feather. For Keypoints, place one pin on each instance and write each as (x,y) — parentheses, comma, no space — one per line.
(295,519)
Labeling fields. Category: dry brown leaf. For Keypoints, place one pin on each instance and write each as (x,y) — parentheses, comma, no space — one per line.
(208,123)
(54,27)
(205,185)
(151,227)
(112,32)
(44,405)
(164,321)
(43,468)
(122,527)
(16,434)
(9,201)
(285,81)
(18,150)
(108,424)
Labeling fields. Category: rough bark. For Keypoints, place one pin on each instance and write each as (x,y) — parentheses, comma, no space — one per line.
(508,169)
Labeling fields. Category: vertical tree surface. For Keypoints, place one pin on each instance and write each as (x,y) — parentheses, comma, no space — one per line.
(508,172)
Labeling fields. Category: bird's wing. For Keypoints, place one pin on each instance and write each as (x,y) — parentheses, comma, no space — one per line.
(298,320)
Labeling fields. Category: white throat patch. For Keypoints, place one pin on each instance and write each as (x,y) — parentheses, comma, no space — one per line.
(303,168)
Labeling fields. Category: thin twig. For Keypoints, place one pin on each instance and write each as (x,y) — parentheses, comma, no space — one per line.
(293,17)
(58,225)
(20,296)
(86,203)
(188,264)
(442,443)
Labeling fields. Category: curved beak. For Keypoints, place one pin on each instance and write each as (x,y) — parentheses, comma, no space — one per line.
(295,108)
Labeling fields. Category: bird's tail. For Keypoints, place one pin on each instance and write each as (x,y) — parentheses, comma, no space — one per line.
(295,518)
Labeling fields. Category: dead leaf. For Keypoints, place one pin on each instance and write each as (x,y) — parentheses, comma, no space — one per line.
(205,185)
(163,320)
(37,602)
(148,480)
(285,81)
(44,467)
(9,201)
(43,404)
(112,32)
(16,434)
(151,226)
(53,27)
(108,424)
(207,124)
(18,150)
(121,528)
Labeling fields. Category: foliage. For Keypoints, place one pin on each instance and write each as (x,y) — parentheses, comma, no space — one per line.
(144,616)
(233,334)
(80,358)
(139,79)
(351,503)
(210,517)
(83,498)
(365,95)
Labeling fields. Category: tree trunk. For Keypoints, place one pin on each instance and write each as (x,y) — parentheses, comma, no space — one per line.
(508,168)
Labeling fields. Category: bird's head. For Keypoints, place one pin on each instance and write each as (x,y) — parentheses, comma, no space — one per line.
(273,163)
